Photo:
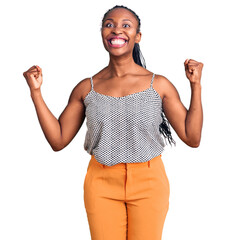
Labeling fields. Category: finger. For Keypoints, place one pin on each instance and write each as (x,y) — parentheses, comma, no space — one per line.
(27,73)
(192,60)
(34,71)
(186,61)
(192,65)
(39,68)
(32,74)
(200,64)
(33,67)
(186,64)
(190,68)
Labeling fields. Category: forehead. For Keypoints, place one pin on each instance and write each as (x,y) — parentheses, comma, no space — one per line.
(121,13)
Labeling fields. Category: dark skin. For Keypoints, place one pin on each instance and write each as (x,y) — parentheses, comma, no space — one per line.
(121,77)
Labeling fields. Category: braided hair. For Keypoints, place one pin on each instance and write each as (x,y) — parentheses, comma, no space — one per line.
(164,127)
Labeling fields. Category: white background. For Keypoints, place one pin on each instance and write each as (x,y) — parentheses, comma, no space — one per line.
(41,191)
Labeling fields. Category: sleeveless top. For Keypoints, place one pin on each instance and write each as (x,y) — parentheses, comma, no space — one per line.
(123,129)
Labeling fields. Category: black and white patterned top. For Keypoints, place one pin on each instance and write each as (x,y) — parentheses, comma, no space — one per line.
(123,129)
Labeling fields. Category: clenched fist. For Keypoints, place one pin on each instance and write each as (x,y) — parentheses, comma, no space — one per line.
(193,70)
(34,77)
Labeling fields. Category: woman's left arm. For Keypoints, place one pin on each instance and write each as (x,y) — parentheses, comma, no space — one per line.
(186,123)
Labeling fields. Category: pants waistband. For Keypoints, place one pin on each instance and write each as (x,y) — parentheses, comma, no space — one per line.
(125,165)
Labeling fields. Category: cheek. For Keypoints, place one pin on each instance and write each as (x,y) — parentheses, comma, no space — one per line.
(104,32)
(132,34)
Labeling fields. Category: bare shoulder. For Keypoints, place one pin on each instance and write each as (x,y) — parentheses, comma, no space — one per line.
(81,89)
(161,80)
(163,86)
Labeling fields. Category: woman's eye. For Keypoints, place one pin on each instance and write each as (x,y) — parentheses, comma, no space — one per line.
(107,25)
(110,24)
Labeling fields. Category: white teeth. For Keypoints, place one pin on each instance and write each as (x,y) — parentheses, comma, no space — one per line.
(117,41)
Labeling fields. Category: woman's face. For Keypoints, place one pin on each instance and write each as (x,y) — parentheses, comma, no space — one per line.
(119,32)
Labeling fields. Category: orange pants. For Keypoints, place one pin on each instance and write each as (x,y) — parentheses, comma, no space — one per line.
(127,201)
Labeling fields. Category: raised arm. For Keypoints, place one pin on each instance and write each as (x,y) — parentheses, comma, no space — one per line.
(186,122)
(58,132)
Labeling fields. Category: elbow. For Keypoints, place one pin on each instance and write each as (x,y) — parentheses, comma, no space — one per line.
(57,148)
(193,143)
(193,140)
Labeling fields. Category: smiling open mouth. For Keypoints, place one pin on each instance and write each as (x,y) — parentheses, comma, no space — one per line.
(116,43)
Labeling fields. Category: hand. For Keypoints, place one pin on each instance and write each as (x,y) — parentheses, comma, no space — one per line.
(34,77)
(193,70)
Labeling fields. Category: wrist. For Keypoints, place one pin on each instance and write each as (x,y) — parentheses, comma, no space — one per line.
(35,92)
(195,85)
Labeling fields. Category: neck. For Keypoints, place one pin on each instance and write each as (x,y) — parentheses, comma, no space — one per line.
(120,67)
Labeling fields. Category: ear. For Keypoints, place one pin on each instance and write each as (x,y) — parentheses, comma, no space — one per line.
(138,37)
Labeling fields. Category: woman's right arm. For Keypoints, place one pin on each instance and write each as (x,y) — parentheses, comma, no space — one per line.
(58,132)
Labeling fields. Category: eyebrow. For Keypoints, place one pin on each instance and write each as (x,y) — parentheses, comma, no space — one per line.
(122,20)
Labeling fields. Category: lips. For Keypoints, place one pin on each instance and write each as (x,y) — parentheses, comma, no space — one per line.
(115,37)
(117,42)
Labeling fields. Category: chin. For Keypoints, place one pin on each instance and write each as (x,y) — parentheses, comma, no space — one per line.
(117,51)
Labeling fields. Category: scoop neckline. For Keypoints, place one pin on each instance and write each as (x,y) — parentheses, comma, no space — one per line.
(123,97)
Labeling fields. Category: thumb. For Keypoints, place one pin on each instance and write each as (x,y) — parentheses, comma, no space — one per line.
(186,64)
(39,69)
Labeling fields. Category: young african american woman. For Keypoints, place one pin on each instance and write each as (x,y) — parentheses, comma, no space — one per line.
(128,111)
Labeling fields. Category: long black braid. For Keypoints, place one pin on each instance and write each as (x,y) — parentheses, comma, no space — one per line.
(164,127)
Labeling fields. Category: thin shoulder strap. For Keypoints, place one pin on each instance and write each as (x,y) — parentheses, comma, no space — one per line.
(152,79)
(91,83)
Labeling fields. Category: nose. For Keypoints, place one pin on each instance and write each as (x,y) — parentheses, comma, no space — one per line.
(117,29)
